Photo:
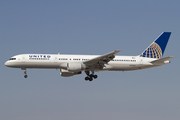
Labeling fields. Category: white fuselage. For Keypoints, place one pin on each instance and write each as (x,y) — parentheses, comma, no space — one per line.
(70,65)
(59,61)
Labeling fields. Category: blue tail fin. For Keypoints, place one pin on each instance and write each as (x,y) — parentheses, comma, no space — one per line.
(157,48)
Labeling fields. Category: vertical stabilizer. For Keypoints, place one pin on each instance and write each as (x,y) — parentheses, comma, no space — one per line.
(157,48)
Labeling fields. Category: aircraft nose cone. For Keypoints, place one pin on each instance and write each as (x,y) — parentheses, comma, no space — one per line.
(6,63)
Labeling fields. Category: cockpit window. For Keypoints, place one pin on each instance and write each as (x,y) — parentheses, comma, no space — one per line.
(12,59)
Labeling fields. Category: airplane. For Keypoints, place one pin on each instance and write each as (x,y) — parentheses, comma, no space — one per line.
(70,65)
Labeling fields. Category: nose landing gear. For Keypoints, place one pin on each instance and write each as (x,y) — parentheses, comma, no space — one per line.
(25,76)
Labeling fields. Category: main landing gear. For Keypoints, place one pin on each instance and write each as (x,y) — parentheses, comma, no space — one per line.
(90,76)
(25,76)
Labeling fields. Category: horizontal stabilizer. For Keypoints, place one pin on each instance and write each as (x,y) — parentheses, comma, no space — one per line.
(162,60)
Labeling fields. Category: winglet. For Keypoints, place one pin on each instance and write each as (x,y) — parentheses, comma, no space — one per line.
(157,48)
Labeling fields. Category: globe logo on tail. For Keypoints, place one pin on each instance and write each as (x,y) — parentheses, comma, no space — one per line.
(154,51)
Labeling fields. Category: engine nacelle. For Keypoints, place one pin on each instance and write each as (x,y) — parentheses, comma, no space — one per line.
(74,67)
(66,73)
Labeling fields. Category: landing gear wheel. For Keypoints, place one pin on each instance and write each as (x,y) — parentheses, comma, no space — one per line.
(90,79)
(86,78)
(25,76)
(95,76)
(25,73)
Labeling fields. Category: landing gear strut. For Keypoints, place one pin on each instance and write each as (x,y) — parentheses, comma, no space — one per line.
(25,76)
(90,76)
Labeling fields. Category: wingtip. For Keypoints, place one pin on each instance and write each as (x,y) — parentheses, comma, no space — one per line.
(117,50)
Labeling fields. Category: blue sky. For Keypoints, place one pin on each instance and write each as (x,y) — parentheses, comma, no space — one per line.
(88,27)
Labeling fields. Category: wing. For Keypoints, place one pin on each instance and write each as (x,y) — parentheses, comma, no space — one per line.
(99,61)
